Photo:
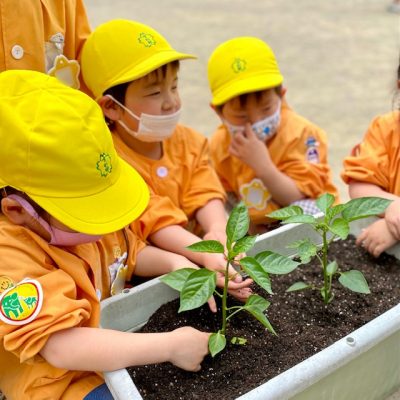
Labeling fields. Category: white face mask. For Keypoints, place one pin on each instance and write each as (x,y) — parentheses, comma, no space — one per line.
(264,129)
(152,128)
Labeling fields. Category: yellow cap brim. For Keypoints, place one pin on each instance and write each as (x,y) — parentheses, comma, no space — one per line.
(248,85)
(138,70)
(103,212)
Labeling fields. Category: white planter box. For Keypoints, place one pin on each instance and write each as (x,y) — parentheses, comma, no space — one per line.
(362,366)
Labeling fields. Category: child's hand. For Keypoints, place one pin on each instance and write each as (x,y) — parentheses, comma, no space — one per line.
(237,287)
(218,235)
(392,218)
(249,149)
(376,238)
(188,347)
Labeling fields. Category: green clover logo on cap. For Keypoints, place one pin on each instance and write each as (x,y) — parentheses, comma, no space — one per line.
(104,164)
(238,65)
(146,39)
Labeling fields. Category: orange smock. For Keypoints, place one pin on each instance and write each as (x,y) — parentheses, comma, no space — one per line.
(376,159)
(184,174)
(160,213)
(73,281)
(298,149)
(34,32)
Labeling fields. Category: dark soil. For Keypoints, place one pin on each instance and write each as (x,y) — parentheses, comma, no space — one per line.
(304,325)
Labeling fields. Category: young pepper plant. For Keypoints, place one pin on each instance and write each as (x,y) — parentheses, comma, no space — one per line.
(196,286)
(334,224)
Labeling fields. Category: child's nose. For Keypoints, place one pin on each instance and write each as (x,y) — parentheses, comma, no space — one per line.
(170,101)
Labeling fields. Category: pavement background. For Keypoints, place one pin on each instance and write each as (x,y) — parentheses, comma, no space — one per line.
(338,58)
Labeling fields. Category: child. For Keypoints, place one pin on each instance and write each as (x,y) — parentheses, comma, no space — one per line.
(133,73)
(264,153)
(373,169)
(62,186)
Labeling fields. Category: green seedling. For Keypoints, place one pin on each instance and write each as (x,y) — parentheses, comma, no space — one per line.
(335,224)
(197,286)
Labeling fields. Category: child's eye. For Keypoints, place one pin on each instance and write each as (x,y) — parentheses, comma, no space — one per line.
(155,93)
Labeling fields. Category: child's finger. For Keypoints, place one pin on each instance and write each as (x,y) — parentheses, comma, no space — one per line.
(361,237)
(249,131)
(240,285)
(394,229)
(241,294)
(212,304)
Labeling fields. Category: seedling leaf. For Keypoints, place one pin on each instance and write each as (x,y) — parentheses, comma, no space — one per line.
(298,286)
(305,248)
(340,227)
(238,224)
(256,306)
(335,210)
(238,341)
(242,245)
(355,281)
(216,343)
(331,268)
(177,279)
(300,219)
(275,263)
(197,289)
(364,207)
(253,268)
(207,246)
(286,212)
(325,201)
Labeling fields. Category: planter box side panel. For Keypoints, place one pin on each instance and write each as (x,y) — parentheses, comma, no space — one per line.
(131,309)
(373,375)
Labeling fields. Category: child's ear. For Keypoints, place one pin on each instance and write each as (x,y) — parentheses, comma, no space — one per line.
(14,211)
(217,110)
(110,109)
(283,91)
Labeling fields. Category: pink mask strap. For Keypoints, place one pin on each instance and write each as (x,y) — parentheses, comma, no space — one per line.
(31,211)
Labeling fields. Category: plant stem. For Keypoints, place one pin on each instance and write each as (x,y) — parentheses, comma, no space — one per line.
(235,312)
(324,265)
(224,296)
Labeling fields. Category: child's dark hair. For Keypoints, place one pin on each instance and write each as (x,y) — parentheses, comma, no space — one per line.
(243,98)
(119,91)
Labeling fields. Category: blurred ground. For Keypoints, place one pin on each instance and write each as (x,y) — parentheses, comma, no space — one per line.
(338,58)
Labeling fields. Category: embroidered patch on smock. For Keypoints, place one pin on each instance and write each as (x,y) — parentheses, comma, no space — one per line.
(255,194)
(118,272)
(312,154)
(66,71)
(21,303)
(5,283)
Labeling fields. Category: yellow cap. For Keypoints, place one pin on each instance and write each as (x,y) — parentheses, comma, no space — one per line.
(122,51)
(56,147)
(241,65)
